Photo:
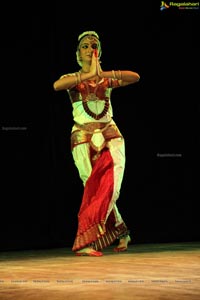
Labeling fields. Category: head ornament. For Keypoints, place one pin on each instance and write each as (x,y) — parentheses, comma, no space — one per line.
(89,33)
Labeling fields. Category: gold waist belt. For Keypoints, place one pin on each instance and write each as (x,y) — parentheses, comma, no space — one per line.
(91,127)
(97,134)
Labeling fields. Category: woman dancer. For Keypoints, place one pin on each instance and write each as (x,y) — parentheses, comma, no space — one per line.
(98,147)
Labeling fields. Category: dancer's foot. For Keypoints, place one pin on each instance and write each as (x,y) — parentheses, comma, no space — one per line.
(88,252)
(123,244)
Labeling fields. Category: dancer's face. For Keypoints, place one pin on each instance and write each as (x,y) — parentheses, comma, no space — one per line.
(86,48)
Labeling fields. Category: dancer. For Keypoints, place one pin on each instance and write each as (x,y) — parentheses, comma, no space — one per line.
(98,147)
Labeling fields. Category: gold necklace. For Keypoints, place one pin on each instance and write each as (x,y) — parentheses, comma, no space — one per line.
(93,97)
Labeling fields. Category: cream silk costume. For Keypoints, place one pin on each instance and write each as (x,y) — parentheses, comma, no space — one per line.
(99,154)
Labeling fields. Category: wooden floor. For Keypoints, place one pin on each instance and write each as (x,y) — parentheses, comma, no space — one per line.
(145,271)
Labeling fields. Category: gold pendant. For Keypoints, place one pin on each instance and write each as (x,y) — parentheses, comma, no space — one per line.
(91,97)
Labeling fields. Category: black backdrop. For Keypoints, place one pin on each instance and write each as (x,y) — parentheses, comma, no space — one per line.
(40,187)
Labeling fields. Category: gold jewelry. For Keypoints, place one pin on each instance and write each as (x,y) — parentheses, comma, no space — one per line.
(89,33)
(120,75)
(91,113)
(78,77)
(114,75)
(91,96)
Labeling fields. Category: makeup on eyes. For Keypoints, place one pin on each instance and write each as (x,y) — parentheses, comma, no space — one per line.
(94,46)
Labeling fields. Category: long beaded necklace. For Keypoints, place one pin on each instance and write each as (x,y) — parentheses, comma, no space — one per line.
(93,97)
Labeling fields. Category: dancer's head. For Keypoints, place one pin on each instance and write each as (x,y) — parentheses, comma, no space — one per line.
(88,39)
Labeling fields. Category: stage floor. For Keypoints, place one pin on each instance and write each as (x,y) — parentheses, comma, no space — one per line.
(146,271)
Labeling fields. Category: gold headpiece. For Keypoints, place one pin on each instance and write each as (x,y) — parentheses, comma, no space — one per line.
(89,33)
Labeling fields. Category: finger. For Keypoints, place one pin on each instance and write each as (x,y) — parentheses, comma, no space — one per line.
(95,53)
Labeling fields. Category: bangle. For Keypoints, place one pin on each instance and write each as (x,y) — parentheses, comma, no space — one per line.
(114,75)
(78,77)
(120,75)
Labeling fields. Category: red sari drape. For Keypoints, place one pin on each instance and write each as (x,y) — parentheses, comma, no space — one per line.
(93,228)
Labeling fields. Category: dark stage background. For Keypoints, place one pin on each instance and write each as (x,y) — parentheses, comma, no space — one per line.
(40,188)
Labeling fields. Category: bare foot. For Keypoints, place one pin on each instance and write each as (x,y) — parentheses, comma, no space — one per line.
(88,251)
(123,244)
